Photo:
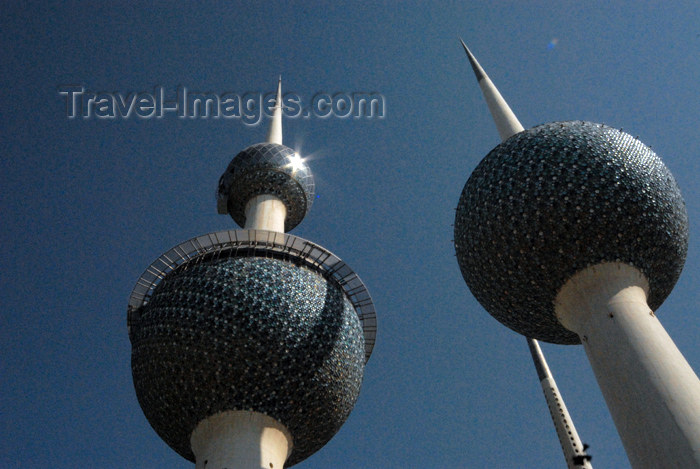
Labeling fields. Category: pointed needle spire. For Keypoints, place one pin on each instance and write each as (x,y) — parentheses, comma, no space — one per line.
(274,134)
(506,122)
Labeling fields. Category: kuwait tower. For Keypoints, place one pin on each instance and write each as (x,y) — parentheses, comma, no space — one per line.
(249,346)
(576,232)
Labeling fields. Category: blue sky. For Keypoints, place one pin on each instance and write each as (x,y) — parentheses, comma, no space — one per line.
(88,204)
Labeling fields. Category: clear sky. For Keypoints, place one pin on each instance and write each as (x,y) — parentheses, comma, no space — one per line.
(88,203)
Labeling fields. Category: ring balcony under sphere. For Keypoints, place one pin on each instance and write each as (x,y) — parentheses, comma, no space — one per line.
(558,198)
(266,168)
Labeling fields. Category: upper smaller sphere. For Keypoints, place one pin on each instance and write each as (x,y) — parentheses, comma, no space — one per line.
(266,168)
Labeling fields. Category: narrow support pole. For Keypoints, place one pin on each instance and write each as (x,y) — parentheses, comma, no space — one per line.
(571,445)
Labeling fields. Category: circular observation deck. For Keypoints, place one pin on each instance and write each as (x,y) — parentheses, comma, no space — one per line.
(265,244)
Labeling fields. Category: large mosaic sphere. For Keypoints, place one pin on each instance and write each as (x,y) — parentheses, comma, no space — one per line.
(267,168)
(558,198)
(222,333)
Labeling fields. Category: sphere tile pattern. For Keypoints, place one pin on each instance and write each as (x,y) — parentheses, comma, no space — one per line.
(558,198)
(247,333)
(266,168)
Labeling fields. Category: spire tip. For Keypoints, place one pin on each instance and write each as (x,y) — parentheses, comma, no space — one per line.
(478,71)
(506,122)
(274,134)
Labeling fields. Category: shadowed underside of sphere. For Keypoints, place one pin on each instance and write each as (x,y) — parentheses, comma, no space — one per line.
(266,168)
(558,198)
(247,333)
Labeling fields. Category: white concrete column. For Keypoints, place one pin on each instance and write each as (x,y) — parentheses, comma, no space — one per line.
(651,391)
(240,440)
(265,212)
